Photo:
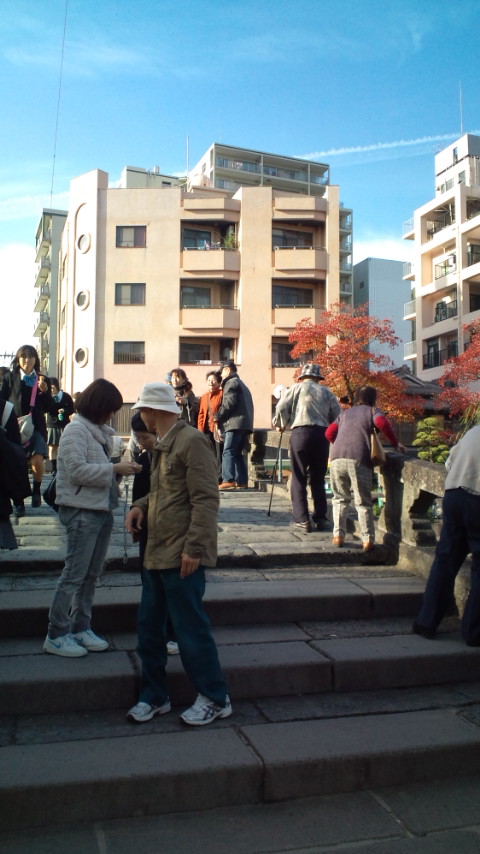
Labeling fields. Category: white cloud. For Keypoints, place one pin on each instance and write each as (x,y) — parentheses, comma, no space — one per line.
(389,248)
(17,262)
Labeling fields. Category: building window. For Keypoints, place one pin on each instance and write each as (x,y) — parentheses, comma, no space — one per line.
(287,296)
(83,300)
(130,294)
(281,354)
(131,236)
(81,356)
(193,239)
(284,239)
(193,353)
(129,352)
(191,297)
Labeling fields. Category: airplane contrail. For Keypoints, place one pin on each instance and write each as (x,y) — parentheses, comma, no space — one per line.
(381,146)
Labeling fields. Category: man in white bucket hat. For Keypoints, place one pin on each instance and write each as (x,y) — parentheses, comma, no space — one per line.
(181,509)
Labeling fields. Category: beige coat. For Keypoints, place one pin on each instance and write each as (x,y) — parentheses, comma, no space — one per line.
(182,504)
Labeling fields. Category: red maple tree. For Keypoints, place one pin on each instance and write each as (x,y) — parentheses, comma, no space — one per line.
(340,344)
(460,372)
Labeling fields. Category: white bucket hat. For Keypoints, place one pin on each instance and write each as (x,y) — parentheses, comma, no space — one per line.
(157,396)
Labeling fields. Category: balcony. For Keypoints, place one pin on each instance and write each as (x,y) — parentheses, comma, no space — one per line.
(42,297)
(204,209)
(408,270)
(448,265)
(43,272)
(445,218)
(308,263)
(211,320)
(299,209)
(346,287)
(445,311)
(41,324)
(410,310)
(218,263)
(436,358)
(43,244)
(408,229)
(410,350)
(473,255)
(286,317)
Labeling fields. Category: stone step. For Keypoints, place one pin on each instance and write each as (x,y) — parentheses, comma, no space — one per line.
(23,612)
(289,662)
(48,784)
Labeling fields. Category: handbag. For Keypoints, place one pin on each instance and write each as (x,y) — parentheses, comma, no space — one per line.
(50,494)
(377,451)
(25,422)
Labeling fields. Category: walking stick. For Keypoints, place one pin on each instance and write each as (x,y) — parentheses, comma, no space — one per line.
(279,451)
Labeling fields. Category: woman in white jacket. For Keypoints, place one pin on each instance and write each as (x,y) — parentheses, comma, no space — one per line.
(87,492)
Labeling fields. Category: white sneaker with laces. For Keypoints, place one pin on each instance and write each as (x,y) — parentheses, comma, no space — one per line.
(205,711)
(65,645)
(172,648)
(91,641)
(145,712)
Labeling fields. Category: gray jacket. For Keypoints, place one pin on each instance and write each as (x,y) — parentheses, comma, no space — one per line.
(236,410)
(84,470)
(304,404)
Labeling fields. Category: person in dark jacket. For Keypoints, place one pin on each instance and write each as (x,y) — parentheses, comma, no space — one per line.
(14,483)
(18,387)
(184,396)
(57,420)
(235,418)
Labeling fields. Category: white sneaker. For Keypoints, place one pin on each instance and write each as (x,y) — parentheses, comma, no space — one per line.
(172,648)
(145,712)
(204,711)
(65,645)
(91,641)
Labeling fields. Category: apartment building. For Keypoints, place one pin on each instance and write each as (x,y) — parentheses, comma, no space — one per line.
(161,272)
(445,275)
(380,283)
(47,244)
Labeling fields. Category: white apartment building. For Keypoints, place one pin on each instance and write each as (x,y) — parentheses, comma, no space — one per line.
(445,275)
(47,245)
(155,274)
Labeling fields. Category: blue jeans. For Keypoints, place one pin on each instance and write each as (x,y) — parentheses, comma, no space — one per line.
(165,593)
(88,537)
(460,535)
(234,467)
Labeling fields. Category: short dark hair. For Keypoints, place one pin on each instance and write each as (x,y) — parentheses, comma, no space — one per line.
(366,394)
(54,381)
(138,425)
(215,374)
(99,400)
(229,363)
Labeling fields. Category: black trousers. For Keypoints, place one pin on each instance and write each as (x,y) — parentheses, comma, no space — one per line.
(309,450)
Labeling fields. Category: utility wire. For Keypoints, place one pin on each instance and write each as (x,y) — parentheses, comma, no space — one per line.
(58,102)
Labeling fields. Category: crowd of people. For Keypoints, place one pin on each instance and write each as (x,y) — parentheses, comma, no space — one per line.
(185,450)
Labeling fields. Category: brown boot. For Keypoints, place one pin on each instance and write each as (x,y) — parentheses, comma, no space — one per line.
(338,541)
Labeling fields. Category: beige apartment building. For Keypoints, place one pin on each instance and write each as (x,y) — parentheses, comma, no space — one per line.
(445,274)
(161,272)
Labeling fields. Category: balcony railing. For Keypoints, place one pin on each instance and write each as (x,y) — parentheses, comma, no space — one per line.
(445,311)
(407,269)
(437,358)
(409,349)
(409,308)
(438,224)
(408,226)
(473,255)
(446,267)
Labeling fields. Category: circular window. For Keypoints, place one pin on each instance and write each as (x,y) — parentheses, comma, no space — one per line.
(83,299)
(81,356)
(84,242)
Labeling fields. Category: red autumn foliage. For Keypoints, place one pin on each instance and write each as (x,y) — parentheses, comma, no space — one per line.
(340,344)
(460,372)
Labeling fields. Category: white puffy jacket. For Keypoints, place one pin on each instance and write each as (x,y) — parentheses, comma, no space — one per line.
(84,470)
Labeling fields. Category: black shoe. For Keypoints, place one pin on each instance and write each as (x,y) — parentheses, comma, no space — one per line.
(19,509)
(424,631)
(36,499)
(323,525)
(304,526)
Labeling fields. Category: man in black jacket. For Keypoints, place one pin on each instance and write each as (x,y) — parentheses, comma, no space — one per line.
(235,418)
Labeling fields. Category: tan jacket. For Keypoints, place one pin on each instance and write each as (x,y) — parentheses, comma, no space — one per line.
(182,504)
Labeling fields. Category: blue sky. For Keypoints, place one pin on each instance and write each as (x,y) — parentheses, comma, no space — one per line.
(372,88)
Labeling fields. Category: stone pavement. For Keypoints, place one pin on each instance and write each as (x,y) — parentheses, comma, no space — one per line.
(334,701)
